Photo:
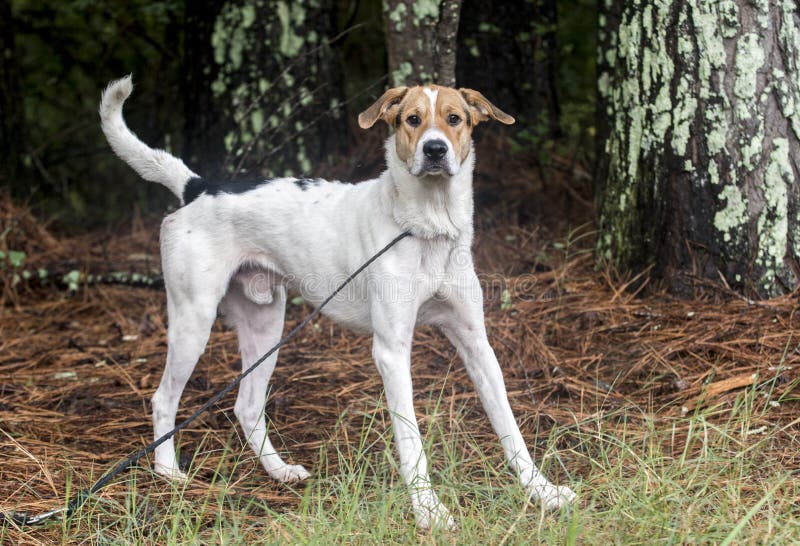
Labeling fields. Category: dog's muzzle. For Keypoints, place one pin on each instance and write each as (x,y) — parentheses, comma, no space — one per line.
(435,153)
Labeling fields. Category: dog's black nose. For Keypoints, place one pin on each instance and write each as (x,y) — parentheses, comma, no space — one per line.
(434,149)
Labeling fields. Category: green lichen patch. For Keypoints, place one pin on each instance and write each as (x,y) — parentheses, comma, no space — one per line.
(290,17)
(397,17)
(750,58)
(403,71)
(786,83)
(426,8)
(773,219)
(731,219)
(729,18)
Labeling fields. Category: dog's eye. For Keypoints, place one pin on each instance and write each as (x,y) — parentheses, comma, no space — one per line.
(453,119)
(414,121)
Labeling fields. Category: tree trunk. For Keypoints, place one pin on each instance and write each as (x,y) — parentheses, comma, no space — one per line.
(510,54)
(202,113)
(11,111)
(699,120)
(421,41)
(267,73)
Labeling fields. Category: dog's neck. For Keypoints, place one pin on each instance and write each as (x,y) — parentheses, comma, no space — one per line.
(429,207)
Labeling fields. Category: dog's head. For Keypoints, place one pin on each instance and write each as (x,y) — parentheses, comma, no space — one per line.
(433,125)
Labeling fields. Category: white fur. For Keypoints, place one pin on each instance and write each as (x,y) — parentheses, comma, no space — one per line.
(151,164)
(433,94)
(240,252)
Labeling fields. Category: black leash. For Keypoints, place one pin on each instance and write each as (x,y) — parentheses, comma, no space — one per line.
(77,501)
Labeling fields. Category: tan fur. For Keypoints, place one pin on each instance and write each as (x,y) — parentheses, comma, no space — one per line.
(398,104)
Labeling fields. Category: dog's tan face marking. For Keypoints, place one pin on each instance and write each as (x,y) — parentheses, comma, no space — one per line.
(436,107)
(428,115)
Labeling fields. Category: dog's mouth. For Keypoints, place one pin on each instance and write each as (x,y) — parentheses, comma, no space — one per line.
(434,169)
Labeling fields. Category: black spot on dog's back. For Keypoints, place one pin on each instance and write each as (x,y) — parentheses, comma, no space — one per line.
(197,186)
(193,188)
(304,183)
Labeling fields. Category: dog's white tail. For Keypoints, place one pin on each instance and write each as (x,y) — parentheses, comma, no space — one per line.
(151,164)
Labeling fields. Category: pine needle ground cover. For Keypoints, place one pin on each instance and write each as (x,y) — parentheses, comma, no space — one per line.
(676,421)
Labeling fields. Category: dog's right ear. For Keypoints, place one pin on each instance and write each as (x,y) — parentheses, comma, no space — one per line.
(385,108)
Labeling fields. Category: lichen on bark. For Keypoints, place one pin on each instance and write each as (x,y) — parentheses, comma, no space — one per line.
(422,40)
(699,120)
(277,79)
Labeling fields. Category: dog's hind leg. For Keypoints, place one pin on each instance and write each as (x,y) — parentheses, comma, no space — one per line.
(259,327)
(190,322)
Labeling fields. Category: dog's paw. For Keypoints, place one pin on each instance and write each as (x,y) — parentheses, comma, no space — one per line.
(552,496)
(432,514)
(289,473)
(170,472)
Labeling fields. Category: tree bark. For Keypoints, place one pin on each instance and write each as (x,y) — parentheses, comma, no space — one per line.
(11,110)
(267,73)
(510,54)
(421,41)
(202,114)
(699,127)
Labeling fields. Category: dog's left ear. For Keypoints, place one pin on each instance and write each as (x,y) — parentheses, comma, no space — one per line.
(481,109)
(384,108)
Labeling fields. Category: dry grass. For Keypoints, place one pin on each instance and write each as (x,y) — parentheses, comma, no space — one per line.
(603,381)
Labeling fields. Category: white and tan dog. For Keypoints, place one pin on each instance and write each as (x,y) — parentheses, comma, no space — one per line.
(239,246)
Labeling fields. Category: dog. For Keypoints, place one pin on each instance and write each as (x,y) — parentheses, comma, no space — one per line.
(238,247)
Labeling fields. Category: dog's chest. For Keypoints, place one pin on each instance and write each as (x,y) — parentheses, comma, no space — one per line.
(435,258)
(409,280)
(437,266)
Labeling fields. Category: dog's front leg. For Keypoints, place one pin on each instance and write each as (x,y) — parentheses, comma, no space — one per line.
(391,350)
(462,321)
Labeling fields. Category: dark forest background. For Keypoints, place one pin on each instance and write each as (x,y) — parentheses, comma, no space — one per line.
(259,88)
